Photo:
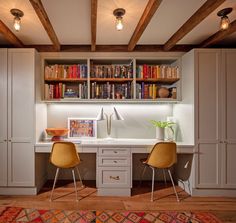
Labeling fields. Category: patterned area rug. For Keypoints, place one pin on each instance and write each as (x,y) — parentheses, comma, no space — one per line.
(16,214)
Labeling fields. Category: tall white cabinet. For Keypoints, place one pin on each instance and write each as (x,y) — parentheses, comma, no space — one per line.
(17,120)
(215,122)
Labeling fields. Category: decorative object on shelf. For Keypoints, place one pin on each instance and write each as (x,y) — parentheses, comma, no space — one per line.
(224,22)
(103,116)
(82,128)
(57,133)
(163,92)
(160,128)
(119,13)
(17,19)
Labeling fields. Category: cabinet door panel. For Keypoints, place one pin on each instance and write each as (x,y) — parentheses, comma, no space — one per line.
(3,117)
(21,95)
(208,96)
(21,165)
(230,166)
(230,88)
(208,166)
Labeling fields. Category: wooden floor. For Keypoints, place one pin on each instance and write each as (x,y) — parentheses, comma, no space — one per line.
(164,199)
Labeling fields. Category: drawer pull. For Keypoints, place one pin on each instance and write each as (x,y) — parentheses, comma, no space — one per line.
(115,161)
(115,178)
(115,151)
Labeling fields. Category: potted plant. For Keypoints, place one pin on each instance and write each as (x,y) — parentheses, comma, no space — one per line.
(160,128)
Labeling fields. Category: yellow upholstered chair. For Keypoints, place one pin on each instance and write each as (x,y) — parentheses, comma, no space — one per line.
(162,156)
(64,155)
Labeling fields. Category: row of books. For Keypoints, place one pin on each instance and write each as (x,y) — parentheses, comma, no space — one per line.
(111,91)
(60,90)
(157,71)
(150,91)
(65,71)
(111,71)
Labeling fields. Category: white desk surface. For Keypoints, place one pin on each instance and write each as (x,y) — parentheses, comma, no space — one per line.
(137,145)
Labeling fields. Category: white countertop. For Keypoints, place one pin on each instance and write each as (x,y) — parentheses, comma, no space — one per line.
(113,142)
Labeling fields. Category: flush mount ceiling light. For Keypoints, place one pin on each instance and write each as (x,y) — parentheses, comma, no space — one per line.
(17,13)
(224,23)
(119,13)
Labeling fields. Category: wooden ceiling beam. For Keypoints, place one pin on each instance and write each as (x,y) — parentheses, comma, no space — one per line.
(220,35)
(93,24)
(9,35)
(146,17)
(208,7)
(43,17)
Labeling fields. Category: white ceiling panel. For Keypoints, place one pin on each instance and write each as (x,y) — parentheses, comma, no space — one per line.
(106,31)
(169,17)
(208,26)
(70,20)
(32,31)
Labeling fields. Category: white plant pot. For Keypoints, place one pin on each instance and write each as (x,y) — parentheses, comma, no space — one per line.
(160,133)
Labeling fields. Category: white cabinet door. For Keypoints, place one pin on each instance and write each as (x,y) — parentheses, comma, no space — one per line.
(208,134)
(229,118)
(3,117)
(21,114)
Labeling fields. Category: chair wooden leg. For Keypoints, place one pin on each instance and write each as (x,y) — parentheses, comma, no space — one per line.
(54,183)
(77,169)
(173,185)
(73,174)
(153,178)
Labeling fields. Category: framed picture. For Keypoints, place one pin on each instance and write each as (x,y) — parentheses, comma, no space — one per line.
(82,128)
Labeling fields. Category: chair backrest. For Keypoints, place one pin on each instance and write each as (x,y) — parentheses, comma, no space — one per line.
(163,155)
(64,155)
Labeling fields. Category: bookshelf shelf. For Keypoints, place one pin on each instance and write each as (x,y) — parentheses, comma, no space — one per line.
(65,79)
(158,80)
(108,80)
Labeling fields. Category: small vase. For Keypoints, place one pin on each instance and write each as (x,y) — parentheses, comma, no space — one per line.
(160,133)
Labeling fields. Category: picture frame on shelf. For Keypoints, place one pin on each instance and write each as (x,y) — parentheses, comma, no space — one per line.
(82,128)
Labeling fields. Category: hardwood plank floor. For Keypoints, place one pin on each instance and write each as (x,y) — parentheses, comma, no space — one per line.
(164,199)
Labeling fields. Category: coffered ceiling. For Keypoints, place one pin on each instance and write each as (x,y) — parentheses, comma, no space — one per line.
(89,25)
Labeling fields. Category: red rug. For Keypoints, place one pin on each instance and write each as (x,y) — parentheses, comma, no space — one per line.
(16,214)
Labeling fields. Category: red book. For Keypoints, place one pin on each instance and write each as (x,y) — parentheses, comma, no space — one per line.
(145,71)
(74,71)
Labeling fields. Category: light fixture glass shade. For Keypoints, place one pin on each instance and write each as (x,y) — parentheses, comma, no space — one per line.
(119,23)
(17,23)
(224,23)
(101,116)
(117,115)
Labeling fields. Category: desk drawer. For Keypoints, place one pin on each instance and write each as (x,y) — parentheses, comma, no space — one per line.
(113,161)
(114,151)
(118,177)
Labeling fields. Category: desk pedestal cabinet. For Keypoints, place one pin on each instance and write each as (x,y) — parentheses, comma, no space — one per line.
(114,171)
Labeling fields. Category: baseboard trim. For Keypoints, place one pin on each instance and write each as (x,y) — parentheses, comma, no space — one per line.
(18,191)
(214,192)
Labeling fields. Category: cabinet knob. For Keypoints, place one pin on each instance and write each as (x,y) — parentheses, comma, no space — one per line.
(4,140)
(221,141)
(9,140)
(115,151)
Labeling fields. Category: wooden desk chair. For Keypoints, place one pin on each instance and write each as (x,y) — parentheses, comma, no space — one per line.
(162,156)
(64,155)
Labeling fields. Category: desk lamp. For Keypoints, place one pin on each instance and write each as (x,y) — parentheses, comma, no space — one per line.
(103,116)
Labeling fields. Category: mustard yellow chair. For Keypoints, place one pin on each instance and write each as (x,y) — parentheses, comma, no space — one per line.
(162,156)
(64,155)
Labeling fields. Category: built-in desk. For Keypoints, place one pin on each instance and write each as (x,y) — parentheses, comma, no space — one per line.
(114,160)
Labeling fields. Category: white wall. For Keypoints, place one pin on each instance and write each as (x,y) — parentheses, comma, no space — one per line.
(136,117)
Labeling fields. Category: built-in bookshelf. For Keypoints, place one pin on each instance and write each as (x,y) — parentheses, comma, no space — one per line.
(129,80)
